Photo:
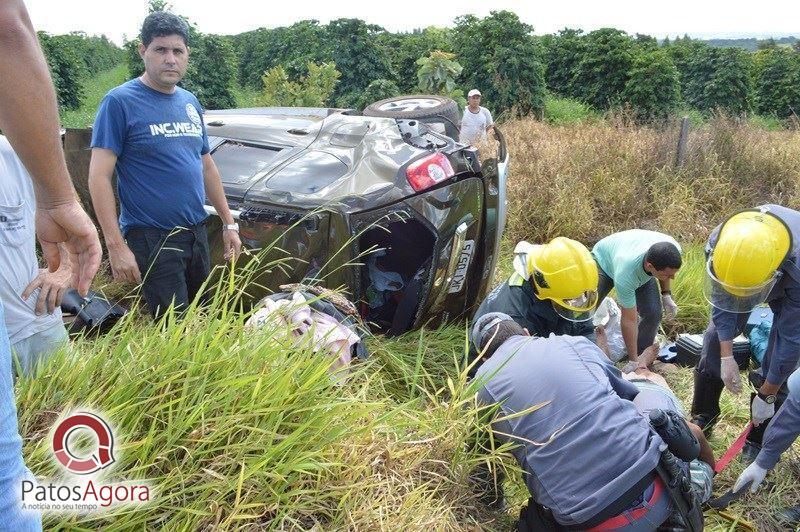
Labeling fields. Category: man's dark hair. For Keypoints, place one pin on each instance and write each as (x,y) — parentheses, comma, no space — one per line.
(497,335)
(664,255)
(162,24)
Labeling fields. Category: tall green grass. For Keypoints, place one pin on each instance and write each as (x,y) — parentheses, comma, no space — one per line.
(94,89)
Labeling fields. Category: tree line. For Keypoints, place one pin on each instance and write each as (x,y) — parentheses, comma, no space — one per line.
(74,57)
(350,63)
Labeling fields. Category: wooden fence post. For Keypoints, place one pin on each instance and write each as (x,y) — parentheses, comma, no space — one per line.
(683,138)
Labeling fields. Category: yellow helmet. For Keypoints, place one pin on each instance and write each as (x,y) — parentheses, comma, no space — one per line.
(564,271)
(743,265)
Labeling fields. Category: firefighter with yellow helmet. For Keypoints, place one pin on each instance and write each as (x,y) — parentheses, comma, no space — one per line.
(553,289)
(753,257)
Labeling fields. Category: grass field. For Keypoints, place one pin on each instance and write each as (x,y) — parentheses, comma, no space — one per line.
(239,431)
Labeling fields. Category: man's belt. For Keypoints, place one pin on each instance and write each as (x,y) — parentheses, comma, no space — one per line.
(623,518)
(620,504)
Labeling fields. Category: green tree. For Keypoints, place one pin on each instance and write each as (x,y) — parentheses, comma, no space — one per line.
(354,48)
(438,72)
(694,71)
(602,73)
(404,49)
(500,58)
(211,72)
(562,53)
(293,47)
(380,89)
(653,87)
(67,69)
(731,86)
(646,42)
(313,90)
(777,82)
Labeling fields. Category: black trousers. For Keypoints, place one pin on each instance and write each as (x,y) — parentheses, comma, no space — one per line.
(174,264)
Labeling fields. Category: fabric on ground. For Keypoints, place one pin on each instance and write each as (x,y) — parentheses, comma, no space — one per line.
(328,335)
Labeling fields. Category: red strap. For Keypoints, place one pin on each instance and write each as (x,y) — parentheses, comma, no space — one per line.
(623,519)
(734,449)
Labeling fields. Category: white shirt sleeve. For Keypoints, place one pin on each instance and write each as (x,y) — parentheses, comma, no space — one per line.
(488,114)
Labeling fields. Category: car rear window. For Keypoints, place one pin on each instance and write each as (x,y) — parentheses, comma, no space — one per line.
(239,162)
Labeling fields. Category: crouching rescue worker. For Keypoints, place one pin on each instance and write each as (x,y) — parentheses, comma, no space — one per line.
(640,264)
(553,290)
(590,457)
(754,256)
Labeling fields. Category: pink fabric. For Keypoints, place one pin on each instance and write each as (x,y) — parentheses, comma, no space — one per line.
(328,335)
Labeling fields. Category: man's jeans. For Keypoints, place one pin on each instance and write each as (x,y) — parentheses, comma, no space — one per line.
(12,467)
(648,305)
(34,350)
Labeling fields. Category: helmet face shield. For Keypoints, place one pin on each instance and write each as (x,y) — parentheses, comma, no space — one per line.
(581,308)
(737,299)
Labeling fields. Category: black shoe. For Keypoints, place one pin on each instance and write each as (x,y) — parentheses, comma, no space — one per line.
(749,452)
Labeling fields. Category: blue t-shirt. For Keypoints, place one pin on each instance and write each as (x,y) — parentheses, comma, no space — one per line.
(159,140)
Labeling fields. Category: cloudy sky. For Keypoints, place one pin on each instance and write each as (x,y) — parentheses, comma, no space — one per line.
(700,18)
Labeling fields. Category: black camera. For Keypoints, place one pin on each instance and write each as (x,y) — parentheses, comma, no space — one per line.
(676,434)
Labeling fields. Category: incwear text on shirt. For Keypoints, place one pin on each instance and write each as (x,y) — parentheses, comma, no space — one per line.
(176,129)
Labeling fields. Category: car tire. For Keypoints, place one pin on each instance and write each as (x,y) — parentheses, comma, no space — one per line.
(426,108)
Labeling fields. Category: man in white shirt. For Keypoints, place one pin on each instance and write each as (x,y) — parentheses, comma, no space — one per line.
(31,296)
(477,120)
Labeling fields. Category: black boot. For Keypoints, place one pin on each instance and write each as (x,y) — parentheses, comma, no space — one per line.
(705,401)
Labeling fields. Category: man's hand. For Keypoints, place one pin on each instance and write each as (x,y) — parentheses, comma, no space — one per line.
(123,264)
(729,371)
(232,244)
(754,475)
(670,307)
(52,286)
(69,223)
(761,410)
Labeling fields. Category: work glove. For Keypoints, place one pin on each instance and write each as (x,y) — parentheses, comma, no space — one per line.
(761,410)
(753,474)
(729,371)
(670,307)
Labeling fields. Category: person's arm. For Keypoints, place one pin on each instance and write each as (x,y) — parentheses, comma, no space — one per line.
(489,122)
(52,285)
(706,454)
(101,172)
(786,350)
(781,433)
(216,195)
(29,118)
(629,323)
(622,387)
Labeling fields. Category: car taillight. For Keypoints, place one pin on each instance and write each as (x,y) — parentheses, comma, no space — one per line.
(425,173)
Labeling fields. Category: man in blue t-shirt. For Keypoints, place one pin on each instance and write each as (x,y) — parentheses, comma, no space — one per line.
(151,132)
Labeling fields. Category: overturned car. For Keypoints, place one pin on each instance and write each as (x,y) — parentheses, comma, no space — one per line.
(391,208)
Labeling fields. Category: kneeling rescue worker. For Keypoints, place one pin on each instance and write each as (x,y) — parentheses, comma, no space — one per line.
(590,458)
(553,289)
(754,256)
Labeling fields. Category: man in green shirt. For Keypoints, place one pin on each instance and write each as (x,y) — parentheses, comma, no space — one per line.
(631,261)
